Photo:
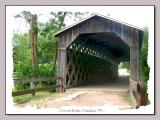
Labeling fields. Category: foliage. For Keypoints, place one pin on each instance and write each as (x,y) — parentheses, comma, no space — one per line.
(144,68)
(26,15)
(125,65)
(23,61)
(46,48)
(21,48)
(47,42)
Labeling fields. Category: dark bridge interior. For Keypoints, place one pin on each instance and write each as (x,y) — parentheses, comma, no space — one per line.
(95,56)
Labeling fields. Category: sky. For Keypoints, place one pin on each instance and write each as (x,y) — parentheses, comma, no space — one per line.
(139,16)
(135,15)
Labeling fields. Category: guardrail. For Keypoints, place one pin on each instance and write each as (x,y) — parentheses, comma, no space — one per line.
(34,90)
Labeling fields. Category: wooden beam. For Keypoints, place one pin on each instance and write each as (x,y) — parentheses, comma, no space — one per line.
(27,80)
(62,65)
(134,56)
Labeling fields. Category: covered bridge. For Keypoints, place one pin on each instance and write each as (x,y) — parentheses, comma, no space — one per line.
(92,49)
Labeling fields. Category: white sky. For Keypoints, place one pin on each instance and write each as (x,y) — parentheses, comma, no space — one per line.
(135,15)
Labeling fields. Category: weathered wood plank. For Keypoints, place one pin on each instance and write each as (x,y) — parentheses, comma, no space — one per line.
(134,85)
(62,62)
(27,80)
(134,56)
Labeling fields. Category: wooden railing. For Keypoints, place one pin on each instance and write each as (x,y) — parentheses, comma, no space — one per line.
(34,90)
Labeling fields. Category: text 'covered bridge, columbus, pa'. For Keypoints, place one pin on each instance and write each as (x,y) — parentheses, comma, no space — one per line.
(93,48)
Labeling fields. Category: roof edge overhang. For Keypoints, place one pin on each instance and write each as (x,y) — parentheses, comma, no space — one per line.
(106,17)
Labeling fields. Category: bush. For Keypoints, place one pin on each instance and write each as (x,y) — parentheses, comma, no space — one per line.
(42,70)
(144,68)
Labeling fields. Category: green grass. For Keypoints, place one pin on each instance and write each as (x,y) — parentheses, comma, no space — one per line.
(28,97)
(127,98)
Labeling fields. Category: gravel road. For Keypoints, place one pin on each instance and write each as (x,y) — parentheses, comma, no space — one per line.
(96,94)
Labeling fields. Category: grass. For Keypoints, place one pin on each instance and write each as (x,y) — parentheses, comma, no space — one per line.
(127,98)
(28,97)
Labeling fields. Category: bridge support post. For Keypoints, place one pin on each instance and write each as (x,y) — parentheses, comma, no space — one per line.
(114,72)
(62,56)
(116,76)
(134,70)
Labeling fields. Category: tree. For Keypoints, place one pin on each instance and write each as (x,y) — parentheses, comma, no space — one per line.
(144,68)
(61,16)
(34,58)
(21,51)
(33,36)
(56,23)
(32,20)
(125,65)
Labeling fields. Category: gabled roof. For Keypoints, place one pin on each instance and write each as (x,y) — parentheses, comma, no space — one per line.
(102,16)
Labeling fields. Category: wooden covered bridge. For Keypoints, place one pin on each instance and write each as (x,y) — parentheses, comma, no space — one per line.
(93,48)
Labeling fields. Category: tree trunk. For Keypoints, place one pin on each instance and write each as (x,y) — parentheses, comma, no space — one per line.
(33,37)
(55,58)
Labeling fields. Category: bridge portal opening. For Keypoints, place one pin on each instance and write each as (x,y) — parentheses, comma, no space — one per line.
(92,49)
(124,69)
(94,57)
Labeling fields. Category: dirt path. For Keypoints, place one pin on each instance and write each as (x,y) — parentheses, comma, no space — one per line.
(88,99)
(83,99)
(97,94)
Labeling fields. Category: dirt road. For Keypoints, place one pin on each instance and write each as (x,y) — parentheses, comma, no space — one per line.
(96,94)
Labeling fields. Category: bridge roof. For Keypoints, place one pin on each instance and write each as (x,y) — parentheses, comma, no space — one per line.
(96,15)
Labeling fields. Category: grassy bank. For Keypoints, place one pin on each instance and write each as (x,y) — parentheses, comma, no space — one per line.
(28,97)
